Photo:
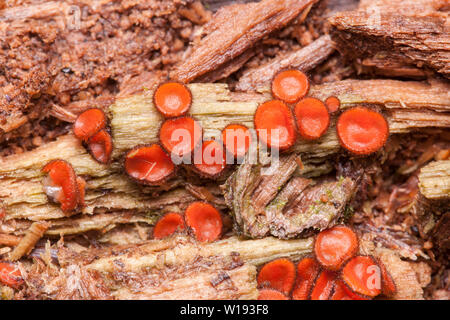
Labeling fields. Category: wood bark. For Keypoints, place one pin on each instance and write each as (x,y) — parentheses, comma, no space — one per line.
(233,30)
(412,36)
(304,59)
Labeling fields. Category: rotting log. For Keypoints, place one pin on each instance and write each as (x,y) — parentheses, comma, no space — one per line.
(134,120)
(177,267)
(212,282)
(233,30)
(411,36)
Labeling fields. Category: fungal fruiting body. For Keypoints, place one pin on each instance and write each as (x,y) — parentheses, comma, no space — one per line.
(271,294)
(61,185)
(88,123)
(204,221)
(334,246)
(323,285)
(388,287)
(168,225)
(180,135)
(312,118)
(335,272)
(149,164)
(362,131)
(278,274)
(10,275)
(307,271)
(341,292)
(274,124)
(90,127)
(290,86)
(172,99)
(333,104)
(100,146)
(212,160)
(237,139)
(362,275)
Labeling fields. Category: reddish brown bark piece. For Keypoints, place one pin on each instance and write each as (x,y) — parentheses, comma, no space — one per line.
(234,29)
(411,36)
(304,60)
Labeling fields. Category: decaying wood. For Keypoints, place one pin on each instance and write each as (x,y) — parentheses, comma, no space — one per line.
(233,30)
(134,120)
(206,279)
(304,59)
(9,240)
(413,36)
(389,66)
(217,4)
(101,222)
(144,209)
(281,203)
(177,268)
(27,243)
(407,281)
(182,250)
(434,180)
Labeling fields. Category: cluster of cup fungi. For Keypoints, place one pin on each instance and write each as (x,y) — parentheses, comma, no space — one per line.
(279,123)
(333,272)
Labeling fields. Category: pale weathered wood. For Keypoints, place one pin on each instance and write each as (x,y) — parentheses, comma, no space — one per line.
(181,250)
(410,35)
